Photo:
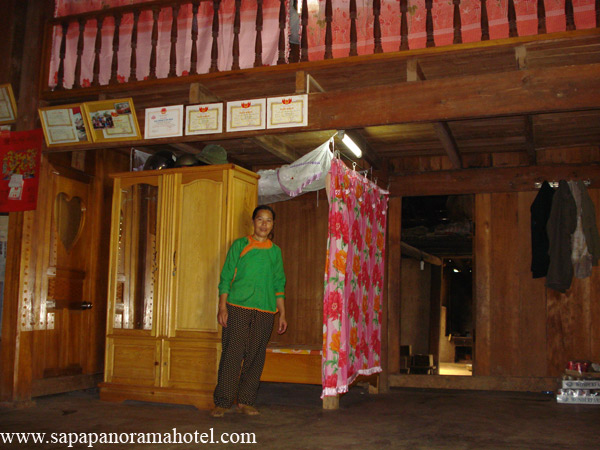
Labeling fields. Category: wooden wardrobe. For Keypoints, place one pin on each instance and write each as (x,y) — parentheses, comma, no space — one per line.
(170,231)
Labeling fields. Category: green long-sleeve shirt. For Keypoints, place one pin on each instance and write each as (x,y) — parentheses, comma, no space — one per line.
(253,275)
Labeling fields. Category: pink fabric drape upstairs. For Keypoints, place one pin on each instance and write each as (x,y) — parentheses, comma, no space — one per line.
(353,279)
(442,15)
(247,39)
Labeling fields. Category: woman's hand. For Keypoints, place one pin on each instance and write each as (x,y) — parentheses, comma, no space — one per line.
(282,324)
(222,316)
(223,313)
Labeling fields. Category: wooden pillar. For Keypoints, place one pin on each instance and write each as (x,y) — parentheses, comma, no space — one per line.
(390,327)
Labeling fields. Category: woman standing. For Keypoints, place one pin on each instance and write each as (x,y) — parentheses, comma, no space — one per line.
(251,292)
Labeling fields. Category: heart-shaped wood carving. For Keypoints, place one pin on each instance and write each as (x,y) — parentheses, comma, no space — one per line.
(69,215)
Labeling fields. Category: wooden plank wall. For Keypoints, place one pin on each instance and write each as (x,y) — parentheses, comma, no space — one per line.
(301,232)
(522,328)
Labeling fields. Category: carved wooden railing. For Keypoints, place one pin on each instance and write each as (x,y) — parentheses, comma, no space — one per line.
(63,24)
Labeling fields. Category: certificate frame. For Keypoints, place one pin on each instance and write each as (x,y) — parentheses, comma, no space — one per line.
(65,125)
(206,118)
(8,105)
(163,121)
(112,120)
(244,115)
(289,111)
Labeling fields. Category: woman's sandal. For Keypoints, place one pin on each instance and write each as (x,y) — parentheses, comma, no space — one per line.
(248,410)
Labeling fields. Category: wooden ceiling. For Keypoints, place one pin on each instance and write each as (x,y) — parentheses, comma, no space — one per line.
(463,102)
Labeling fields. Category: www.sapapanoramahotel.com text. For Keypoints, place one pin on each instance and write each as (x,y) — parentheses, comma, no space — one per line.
(91,439)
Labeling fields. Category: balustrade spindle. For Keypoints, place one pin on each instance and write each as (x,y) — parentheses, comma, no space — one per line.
(236,36)
(328,31)
(259,28)
(194,53)
(61,65)
(485,26)
(353,36)
(173,53)
(281,43)
(214,53)
(77,79)
(154,43)
(512,19)
(541,15)
(377,48)
(457,23)
(115,48)
(403,24)
(597,13)
(429,24)
(133,60)
(97,50)
(304,39)
(569,15)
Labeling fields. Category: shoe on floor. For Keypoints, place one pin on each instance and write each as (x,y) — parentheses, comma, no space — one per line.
(218,411)
(248,410)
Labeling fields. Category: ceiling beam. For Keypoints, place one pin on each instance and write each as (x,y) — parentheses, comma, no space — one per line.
(490,180)
(445,136)
(442,130)
(531,91)
(539,90)
(413,252)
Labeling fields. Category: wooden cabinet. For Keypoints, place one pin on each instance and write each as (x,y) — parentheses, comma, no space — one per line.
(170,232)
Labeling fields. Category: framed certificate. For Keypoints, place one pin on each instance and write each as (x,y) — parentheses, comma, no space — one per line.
(164,121)
(8,106)
(246,115)
(283,112)
(112,120)
(64,125)
(204,119)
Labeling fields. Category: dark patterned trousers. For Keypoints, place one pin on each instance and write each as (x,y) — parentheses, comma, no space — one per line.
(245,340)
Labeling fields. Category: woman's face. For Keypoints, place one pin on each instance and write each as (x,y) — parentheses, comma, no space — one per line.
(263,224)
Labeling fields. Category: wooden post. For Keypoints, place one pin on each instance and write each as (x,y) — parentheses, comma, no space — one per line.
(155,14)
(97,50)
(133,61)
(281,43)
(173,53)
(304,38)
(77,79)
(259,27)
(214,53)
(331,402)
(377,27)
(353,37)
(457,23)
(194,51)
(403,24)
(115,48)
(328,30)
(485,27)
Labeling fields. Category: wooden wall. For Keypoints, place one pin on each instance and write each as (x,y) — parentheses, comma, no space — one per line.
(522,328)
(301,232)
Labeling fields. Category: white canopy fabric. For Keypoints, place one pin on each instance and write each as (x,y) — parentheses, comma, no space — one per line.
(306,174)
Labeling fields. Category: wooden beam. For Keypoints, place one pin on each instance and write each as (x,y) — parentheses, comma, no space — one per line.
(548,89)
(413,252)
(277,147)
(472,181)
(444,134)
(530,140)
(533,91)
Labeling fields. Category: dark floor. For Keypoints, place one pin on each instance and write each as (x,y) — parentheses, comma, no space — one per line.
(292,418)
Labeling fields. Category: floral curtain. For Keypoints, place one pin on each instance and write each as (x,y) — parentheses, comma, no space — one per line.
(247,38)
(442,14)
(353,279)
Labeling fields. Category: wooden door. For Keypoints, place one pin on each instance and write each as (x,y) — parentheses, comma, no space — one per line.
(68,338)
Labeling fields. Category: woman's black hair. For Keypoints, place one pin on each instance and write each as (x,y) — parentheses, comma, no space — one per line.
(265,207)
